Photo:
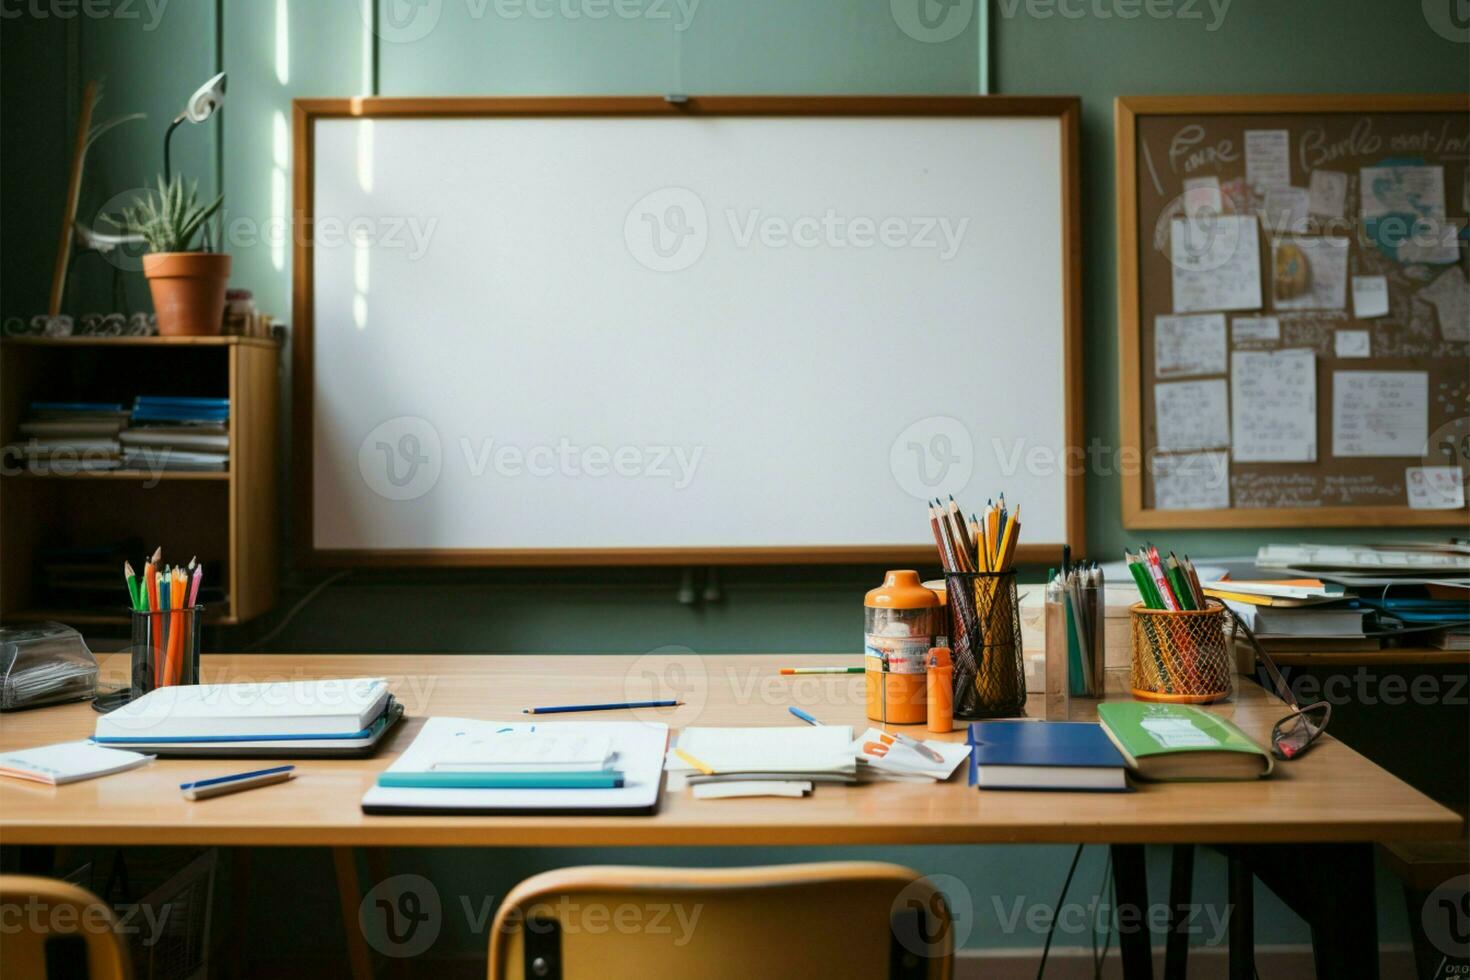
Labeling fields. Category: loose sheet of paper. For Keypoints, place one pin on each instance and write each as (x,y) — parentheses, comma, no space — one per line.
(1435,487)
(1379,413)
(1432,242)
(1263,328)
(1410,191)
(1449,294)
(1327,193)
(1370,296)
(1352,343)
(1185,346)
(1267,158)
(1326,287)
(1216,264)
(1191,415)
(1285,210)
(1191,481)
(1273,406)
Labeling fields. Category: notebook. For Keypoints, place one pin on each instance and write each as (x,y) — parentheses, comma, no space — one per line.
(339,708)
(1059,755)
(822,753)
(1179,741)
(637,751)
(358,744)
(68,762)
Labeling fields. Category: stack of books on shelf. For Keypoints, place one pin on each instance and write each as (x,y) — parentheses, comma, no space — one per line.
(1356,598)
(177,434)
(68,437)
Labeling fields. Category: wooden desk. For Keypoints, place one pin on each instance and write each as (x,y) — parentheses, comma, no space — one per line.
(1331,795)
(1333,799)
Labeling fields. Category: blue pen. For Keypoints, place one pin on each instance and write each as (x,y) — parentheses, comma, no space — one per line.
(804,716)
(612,706)
(203,789)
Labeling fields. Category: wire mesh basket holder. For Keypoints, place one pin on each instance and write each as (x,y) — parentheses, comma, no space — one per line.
(1182,657)
(985,639)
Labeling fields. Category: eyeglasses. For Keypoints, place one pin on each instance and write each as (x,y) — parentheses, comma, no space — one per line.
(1294,734)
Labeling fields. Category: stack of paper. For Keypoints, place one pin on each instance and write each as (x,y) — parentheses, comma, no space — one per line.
(287,718)
(901,761)
(68,762)
(461,765)
(763,761)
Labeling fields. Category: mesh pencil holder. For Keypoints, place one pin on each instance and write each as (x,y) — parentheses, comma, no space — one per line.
(985,639)
(1182,657)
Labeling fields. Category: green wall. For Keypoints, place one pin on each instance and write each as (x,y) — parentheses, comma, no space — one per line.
(275,51)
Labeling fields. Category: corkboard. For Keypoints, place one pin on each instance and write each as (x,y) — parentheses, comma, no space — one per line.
(1161,142)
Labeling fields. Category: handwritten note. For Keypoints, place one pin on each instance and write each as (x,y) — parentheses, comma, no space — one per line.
(1327,193)
(1415,192)
(1255,328)
(1370,296)
(1191,481)
(1431,487)
(1379,413)
(1352,343)
(1430,241)
(1273,406)
(1216,263)
(1191,415)
(1325,286)
(1267,158)
(1449,294)
(1285,210)
(1189,345)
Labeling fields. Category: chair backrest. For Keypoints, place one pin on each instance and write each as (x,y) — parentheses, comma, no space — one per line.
(850,919)
(49,928)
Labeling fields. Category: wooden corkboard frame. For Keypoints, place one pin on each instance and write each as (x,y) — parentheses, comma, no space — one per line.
(1066,110)
(1127,116)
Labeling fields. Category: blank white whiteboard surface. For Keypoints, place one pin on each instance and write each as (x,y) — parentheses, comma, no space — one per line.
(534,334)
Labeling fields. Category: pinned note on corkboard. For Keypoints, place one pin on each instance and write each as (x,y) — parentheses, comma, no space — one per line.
(1294,309)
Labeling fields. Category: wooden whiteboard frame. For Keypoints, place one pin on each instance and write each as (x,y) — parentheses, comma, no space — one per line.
(1065,110)
(1126,110)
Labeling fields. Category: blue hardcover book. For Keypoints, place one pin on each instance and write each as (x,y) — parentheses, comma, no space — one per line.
(1064,755)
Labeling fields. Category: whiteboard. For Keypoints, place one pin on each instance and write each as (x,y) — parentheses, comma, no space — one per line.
(743,337)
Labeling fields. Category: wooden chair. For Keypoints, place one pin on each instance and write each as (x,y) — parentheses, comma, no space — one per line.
(53,929)
(851,919)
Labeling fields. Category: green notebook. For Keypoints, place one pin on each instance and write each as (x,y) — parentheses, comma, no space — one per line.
(1181,742)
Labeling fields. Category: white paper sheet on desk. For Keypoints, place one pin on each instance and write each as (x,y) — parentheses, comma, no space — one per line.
(1273,406)
(640,756)
(1216,263)
(904,762)
(742,788)
(808,749)
(1379,413)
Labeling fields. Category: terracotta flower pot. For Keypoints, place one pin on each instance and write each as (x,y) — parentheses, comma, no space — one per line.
(188,291)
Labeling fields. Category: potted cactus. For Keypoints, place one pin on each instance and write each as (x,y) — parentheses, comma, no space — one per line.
(188,285)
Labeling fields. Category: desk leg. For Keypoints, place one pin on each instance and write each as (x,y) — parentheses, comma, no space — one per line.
(1181,889)
(1241,887)
(349,894)
(1130,894)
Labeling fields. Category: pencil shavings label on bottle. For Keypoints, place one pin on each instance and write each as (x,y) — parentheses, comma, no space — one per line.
(904,655)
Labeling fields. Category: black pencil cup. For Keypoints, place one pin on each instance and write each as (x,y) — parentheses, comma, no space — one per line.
(165,649)
(985,641)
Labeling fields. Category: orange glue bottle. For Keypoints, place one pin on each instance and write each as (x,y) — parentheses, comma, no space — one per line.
(941,690)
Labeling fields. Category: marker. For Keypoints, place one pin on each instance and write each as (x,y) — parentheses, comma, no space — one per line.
(804,716)
(203,789)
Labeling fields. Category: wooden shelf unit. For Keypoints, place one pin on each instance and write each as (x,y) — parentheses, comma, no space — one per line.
(229,520)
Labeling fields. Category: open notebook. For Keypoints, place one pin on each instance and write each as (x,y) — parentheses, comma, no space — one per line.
(464,745)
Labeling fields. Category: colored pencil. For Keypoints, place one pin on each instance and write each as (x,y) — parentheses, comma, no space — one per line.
(822,670)
(611,706)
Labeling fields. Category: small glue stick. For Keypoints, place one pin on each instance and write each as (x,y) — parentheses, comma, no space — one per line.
(941,690)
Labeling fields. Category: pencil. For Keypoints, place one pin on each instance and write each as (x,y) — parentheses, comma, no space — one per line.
(556,709)
(702,767)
